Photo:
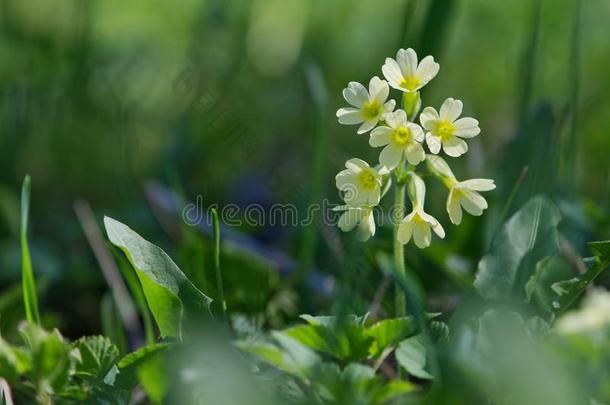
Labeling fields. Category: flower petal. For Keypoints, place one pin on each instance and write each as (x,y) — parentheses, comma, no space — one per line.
(355,164)
(478,184)
(378,89)
(438,230)
(467,127)
(417,131)
(472,206)
(345,179)
(427,70)
(349,219)
(454,209)
(407,60)
(421,234)
(405,229)
(455,146)
(451,109)
(428,118)
(415,154)
(390,156)
(389,106)
(391,71)
(367,125)
(366,229)
(396,119)
(380,136)
(434,143)
(355,94)
(349,116)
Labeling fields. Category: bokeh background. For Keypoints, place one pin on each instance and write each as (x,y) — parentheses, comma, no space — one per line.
(123,104)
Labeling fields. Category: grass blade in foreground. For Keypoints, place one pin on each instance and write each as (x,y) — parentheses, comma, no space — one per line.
(172,298)
(30,299)
(221,291)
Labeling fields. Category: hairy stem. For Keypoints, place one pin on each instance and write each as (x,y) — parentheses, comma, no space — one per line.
(399,253)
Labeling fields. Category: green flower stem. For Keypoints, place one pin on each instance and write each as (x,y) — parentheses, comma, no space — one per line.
(399,250)
(219,286)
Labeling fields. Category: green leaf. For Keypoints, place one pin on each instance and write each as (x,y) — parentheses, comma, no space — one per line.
(527,237)
(97,355)
(142,354)
(569,290)
(172,298)
(51,359)
(124,375)
(346,341)
(389,332)
(411,355)
(299,359)
(30,299)
(548,271)
(14,361)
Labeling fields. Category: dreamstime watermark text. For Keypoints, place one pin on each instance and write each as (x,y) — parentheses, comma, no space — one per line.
(278,214)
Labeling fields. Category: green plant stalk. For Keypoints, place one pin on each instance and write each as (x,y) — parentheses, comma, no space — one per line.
(399,250)
(319,97)
(221,293)
(28,283)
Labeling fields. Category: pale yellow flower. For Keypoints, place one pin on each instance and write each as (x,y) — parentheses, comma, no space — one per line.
(357,216)
(368,106)
(400,138)
(360,183)
(444,128)
(405,74)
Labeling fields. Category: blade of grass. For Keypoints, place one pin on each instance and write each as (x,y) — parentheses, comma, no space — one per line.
(438,19)
(409,11)
(221,292)
(528,66)
(318,93)
(123,300)
(30,299)
(574,79)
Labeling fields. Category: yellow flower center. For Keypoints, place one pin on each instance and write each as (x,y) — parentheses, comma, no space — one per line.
(445,130)
(418,219)
(367,180)
(371,109)
(402,136)
(410,83)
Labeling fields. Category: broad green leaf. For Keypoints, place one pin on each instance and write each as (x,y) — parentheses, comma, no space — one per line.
(172,298)
(345,341)
(569,290)
(389,332)
(548,271)
(97,355)
(411,355)
(30,299)
(153,378)
(299,358)
(527,237)
(265,351)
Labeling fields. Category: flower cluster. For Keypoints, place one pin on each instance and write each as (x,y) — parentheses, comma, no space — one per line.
(402,141)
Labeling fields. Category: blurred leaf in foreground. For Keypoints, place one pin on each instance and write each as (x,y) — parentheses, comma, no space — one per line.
(527,237)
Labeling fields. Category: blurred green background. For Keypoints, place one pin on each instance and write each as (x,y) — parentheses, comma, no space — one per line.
(212,98)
